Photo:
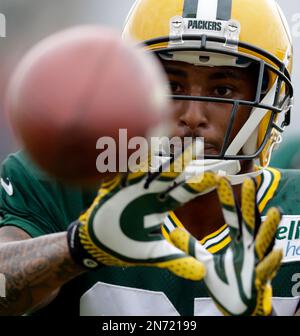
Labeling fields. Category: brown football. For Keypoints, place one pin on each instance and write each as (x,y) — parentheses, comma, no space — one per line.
(77,86)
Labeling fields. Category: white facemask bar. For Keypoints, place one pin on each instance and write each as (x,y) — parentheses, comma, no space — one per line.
(247,136)
(251,124)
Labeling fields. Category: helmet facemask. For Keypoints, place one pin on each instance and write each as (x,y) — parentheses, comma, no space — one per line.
(228,41)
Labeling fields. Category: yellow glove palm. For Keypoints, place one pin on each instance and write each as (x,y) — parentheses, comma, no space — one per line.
(239,281)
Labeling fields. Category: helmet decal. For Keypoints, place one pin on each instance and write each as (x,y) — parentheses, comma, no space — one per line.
(208,10)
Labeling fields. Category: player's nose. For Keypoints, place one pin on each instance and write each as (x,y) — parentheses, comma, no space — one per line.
(194,116)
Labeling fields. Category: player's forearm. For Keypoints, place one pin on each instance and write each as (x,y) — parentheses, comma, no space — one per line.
(33,270)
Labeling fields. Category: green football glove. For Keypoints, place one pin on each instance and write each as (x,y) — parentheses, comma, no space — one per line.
(239,281)
(123,225)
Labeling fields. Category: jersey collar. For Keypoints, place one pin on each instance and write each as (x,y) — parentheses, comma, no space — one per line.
(267,182)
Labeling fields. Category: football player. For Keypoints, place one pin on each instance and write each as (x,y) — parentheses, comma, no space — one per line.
(229,64)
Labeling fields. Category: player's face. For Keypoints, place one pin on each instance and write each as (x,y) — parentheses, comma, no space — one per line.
(209,120)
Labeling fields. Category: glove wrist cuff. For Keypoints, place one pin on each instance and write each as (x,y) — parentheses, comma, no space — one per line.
(79,254)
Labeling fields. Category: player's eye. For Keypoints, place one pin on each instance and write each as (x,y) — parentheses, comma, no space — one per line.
(223,91)
(176,88)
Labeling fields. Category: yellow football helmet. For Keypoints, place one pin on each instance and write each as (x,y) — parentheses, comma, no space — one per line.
(227,33)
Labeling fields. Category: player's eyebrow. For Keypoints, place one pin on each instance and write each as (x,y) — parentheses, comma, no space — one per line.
(225,74)
(176,72)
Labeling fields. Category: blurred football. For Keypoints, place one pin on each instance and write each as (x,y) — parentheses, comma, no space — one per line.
(80,85)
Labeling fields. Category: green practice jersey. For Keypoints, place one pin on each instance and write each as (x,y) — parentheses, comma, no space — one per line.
(39,205)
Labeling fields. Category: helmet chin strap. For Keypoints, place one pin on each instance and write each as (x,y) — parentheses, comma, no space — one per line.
(228,168)
(239,179)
